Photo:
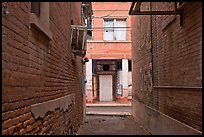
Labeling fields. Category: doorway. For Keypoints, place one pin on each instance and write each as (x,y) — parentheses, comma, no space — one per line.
(105,88)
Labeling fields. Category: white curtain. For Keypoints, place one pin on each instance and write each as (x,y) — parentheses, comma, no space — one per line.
(120,33)
(108,32)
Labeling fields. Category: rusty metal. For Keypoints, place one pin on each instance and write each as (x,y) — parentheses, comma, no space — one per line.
(137,11)
(131,8)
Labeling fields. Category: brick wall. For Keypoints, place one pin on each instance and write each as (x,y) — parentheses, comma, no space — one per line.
(167,54)
(97,48)
(109,50)
(37,70)
(103,10)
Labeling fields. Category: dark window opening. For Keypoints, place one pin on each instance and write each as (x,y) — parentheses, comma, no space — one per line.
(129,65)
(119,65)
(106,67)
(72,22)
(35,8)
(89,27)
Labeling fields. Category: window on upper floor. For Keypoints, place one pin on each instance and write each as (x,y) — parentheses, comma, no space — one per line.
(114,29)
(39,18)
(35,8)
(88,23)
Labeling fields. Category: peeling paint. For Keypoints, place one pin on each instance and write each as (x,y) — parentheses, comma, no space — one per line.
(40,109)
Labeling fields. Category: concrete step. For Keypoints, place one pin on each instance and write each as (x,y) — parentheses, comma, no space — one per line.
(108,104)
(108,113)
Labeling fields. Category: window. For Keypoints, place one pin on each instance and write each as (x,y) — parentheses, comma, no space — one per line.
(129,65)
(114,29)
(88,23)
(39,18)
(35,8)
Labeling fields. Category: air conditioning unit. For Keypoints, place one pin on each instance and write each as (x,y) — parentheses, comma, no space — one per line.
(78,40)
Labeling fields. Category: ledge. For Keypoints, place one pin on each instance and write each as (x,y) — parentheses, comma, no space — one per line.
(41,27)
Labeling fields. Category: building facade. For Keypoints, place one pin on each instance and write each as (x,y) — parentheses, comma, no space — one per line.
(108,72)
(42,85)
(167,66)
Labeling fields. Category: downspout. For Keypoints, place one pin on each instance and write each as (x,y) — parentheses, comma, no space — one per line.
(155,105)
(83,91)
(151,50)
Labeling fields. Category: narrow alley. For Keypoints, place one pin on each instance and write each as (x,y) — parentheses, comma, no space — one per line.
(110,125)
(101,68)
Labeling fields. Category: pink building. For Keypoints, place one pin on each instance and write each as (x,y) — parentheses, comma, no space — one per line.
(108,72)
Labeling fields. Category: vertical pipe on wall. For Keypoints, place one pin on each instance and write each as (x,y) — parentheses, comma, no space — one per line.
(151,49)
(154,91)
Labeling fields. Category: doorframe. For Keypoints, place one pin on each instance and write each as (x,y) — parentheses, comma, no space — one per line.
(110,76)
(113,84)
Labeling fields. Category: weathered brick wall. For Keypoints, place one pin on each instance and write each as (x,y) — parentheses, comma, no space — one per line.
(36,70)
(175,53)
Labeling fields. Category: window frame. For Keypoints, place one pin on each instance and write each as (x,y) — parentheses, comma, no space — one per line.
(41,22)
(35,8)
(115,29)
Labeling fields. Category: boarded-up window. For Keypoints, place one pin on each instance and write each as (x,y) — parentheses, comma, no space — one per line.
(35,8)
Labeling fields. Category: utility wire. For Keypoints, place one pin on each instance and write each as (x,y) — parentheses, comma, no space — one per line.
(110,13)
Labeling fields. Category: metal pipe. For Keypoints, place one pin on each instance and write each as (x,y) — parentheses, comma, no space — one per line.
(151,50)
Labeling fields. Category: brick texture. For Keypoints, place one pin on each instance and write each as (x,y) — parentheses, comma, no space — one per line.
(35,70)
(167,54)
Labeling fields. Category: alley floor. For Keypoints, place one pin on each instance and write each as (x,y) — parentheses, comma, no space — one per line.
(110,125)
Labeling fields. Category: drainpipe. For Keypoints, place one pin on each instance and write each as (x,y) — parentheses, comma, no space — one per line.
(83,61)
(156,106)
(82,89)
(151,50)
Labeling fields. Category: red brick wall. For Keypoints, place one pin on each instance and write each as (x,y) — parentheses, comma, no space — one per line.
(109,50)
(121,10)
(175,53)
(97,48)
(36,70)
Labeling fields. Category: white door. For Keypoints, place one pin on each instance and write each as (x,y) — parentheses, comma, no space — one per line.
(105,88)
